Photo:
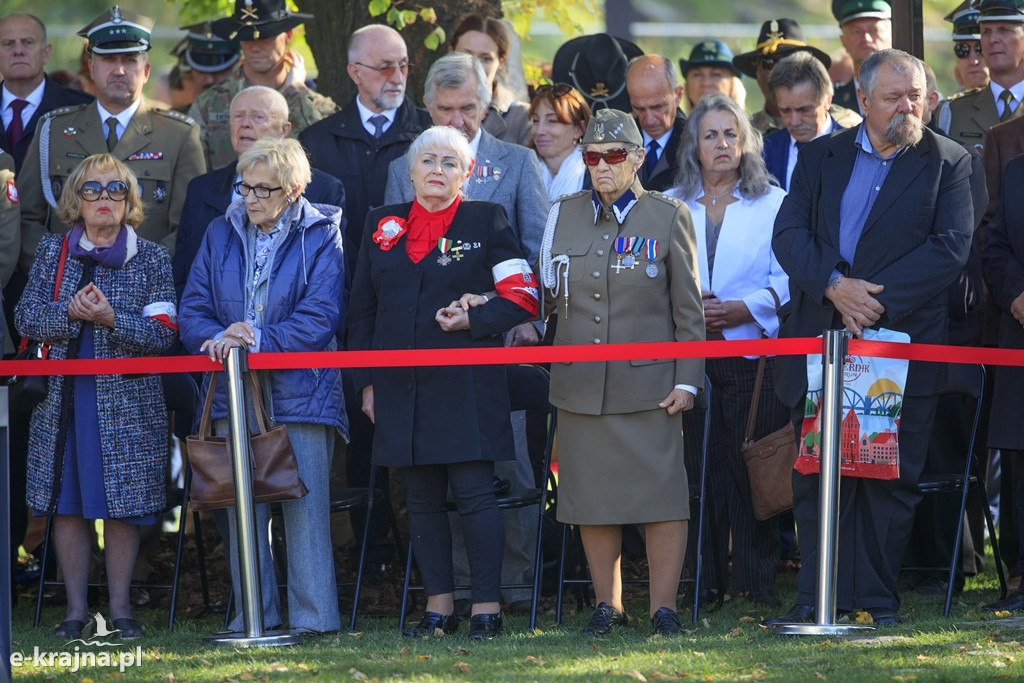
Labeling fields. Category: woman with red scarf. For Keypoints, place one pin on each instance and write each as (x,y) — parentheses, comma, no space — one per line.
(441,272)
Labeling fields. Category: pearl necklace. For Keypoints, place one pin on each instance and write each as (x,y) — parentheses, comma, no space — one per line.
(715,197)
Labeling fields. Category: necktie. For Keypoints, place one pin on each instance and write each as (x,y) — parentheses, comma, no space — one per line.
(378,121)
(15,130)
(652,157)
(799,145)
(1007,98)
(111,134)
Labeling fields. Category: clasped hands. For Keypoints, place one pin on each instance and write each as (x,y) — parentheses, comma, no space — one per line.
(455,316)
(237,334)
(90,304)
(855,300)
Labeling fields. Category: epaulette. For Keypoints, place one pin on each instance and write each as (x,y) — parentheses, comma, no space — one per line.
(964,93)
(171,114)
(674,201)
(61,111)
(571,196)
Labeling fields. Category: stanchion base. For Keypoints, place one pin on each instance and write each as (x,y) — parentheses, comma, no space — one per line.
(819,629)
(268,639)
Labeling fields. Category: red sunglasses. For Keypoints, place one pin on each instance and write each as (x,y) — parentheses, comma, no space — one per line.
(612,156)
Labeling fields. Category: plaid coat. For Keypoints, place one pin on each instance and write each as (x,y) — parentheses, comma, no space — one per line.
(132,414)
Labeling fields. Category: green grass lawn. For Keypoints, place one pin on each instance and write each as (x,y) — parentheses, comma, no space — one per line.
(727,645)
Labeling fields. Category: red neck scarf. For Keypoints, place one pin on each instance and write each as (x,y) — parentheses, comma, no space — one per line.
(426,228)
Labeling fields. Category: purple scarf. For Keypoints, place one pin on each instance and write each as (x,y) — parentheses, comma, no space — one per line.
(109,256)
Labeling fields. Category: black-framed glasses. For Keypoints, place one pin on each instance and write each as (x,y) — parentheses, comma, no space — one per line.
(387,70)
(612,156)
(963,50)
(557,90)
(768,63)
(92,190)
(260,192)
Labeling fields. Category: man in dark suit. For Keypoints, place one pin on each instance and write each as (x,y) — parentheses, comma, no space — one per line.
(256,112)
(654,96)
(876,225)
(26,93)
(866,28)
(802,93)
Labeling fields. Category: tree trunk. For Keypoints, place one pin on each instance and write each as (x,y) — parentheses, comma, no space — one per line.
(335,21)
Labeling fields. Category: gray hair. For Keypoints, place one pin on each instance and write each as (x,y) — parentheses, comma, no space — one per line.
(754,176)
(667,65)
(898,60)
(278,105)
(453,71)
(285,158)
(368,32)
(441,137)
(798,68)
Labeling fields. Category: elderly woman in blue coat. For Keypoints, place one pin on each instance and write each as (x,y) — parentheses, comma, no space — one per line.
(269,277)
(441,272)
(98,444)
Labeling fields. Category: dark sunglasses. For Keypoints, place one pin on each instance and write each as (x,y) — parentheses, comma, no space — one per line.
(388,69)
(768,63)
(260,192)
(557,90)
(963,50)
(612,156)
(92,190)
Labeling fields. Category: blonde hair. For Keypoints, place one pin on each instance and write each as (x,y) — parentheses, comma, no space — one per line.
(69,208)
(285,158)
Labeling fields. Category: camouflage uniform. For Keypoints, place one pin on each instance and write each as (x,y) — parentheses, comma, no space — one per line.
(764,123)
(847,118)
(212,110)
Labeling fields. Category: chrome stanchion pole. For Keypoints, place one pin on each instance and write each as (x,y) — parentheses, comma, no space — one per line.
(832,360)
(5,543)
(245,521)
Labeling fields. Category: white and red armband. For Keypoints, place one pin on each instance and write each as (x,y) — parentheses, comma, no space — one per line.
(164,312)
(513,279)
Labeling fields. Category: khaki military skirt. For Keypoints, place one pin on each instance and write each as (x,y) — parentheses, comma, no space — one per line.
(621,469)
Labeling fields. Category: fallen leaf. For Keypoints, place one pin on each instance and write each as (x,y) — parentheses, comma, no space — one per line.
(633,673)
(355,634)
(999,664)
(168,676)
(460,651)
(698,654)
(539,661)
(462,667)
(594,646)
(705,622)
(747,619)
(864,618)
(277,666)
(304,667)
(204,662)
(736,631)
(924,658)
(659,675)
(820,675)
(1002,613)
(422,658)
(356,674)
(118,674)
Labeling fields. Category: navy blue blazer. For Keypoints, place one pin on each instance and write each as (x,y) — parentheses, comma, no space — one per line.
(54,97)
(776,152)
(915,242)
(208,198)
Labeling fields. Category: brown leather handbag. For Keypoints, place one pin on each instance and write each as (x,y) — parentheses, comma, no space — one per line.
(275,474)
(769,461)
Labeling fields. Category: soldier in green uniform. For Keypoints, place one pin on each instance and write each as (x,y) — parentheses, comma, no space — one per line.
(866,27)
(967,116)
(264,29)
(161,147)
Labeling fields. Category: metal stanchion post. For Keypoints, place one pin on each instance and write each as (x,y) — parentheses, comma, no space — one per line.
(245,520)
(833,358)
(5,542)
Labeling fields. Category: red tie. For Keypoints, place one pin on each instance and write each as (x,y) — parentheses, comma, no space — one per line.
(15,130)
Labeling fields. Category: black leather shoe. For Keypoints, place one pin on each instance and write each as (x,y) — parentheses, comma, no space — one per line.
(883,616)
(800,614)
(484,626)
(1011,603)
(666,622)
(602,619)
(433,624)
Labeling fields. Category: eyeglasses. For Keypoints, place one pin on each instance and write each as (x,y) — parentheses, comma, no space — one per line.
(387,70)
(768,63)
(260,192)
(92,190)
(557,90)
(963,50)
(612,156)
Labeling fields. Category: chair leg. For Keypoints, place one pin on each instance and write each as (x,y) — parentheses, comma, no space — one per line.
(997,556)
(561,574)
(371,494)
(42,569)
(405,588)
(182,523)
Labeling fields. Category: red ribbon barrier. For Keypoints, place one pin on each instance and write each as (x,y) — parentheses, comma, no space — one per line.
(519,354)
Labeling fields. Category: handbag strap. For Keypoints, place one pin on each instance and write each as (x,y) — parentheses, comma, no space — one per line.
(44,349)
(262,419)
(205,428)
(752,417)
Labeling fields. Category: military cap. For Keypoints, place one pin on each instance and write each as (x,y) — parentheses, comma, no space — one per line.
(612,125)
(709,53)
(255,19)
(1001,10)
(965,21)
(596,66)
(117,31)
(206,52)
(848,10)
(778,38)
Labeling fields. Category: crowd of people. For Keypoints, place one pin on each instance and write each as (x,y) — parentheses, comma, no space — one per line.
(617,203)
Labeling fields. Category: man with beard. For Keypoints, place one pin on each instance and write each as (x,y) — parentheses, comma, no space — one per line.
(877,224)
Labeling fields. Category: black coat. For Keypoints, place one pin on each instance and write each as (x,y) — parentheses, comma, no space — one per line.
(209,196)
(54,97)
(340,145)
(665,170)
(445,414)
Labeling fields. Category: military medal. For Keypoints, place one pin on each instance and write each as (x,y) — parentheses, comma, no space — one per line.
(635,246)
(70,132)
(457,253)
(620,247)
(146,156)
(389,229)
(12,192)
(482,171)
(652,253)
(160,193)
(444,244)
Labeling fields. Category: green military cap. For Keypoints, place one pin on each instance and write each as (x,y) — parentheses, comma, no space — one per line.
(117,31)
(1001,10)
(965,21)
(709,53)
(612,125)
(848,10)
(206,52)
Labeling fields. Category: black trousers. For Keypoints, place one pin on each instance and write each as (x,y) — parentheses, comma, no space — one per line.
(426,493)
(875,519)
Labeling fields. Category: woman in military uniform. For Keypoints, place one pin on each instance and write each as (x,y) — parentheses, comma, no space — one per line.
(619,266)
